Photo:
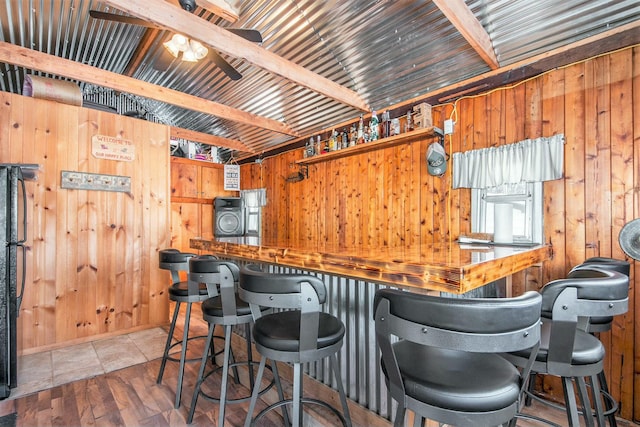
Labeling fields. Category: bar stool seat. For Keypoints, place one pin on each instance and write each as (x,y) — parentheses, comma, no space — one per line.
(180,292)
(279,332)
(228,310)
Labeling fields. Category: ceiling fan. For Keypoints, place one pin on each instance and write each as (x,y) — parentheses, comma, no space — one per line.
(189,47)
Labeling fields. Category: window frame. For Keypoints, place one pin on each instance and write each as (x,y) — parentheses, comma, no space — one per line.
(533,203)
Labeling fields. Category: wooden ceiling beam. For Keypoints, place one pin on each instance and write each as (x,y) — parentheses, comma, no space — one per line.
(174,18)
(220,8)
(459,14)
(35,60)
(209,139)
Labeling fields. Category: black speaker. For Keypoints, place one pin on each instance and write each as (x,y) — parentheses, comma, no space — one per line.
(229,216)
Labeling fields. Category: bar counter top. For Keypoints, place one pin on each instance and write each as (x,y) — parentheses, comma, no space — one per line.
(449,267)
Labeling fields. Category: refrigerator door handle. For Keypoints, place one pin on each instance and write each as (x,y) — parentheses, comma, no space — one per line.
(24,213)
(24,274)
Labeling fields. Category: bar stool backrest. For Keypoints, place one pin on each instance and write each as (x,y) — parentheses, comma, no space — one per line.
(302,292)
(619,265)
(466,326)
(485,325)
(216,273)
(599,323)
(589,292)
(597,292)
(174,261)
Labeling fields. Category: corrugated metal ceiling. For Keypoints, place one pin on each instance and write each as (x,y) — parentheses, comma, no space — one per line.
(387,51)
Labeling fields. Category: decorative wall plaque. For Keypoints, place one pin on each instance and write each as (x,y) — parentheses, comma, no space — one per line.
(111,148)
(232,177)
(95,181)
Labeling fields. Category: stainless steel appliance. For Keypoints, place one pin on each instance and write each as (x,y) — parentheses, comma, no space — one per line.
(229,216)
(13,233)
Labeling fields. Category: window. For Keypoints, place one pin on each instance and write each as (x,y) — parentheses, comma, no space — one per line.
(253,199)
(253,220)
(527,202)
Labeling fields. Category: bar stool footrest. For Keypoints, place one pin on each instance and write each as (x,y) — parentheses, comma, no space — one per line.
(303,400)
(179,343)
(238,399)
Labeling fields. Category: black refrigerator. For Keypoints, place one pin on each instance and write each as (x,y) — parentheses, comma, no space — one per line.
(13,233)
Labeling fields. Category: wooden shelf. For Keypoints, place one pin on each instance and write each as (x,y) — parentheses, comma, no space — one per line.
(403,138)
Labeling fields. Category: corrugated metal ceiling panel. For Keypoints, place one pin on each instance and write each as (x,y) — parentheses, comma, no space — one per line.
(387,51)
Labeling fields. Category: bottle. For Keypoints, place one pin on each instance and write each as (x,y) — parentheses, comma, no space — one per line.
(332,141)
(409,124)
(311,151)
(360,136)
(353,136)
(336,140)
(373,127)
(345,138)
(318,145)
(386,124)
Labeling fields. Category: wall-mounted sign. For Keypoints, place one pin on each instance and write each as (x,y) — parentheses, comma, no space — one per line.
(232,177)
(94,181)
(111,148)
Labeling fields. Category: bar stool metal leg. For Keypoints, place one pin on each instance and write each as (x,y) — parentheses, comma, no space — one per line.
(183,355)
(167,346)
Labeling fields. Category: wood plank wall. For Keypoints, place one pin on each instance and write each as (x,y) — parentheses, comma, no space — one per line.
(386,197)
(92,266)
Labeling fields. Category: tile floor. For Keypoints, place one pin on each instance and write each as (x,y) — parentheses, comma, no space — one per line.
(41,371)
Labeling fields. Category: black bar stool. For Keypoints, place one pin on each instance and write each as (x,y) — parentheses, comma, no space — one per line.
(442,357)
(598,324)
(180,292)
(228,310)
(567,351)
(299,334)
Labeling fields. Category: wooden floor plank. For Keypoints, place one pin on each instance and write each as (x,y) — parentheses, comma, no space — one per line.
(131,397)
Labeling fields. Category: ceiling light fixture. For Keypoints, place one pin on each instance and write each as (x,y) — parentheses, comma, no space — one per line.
(192,50)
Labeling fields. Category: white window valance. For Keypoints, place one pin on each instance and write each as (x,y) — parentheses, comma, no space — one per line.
(531,160)
(254,198)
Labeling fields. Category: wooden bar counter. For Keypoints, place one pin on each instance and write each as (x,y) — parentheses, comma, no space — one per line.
(352,278)
(447,267)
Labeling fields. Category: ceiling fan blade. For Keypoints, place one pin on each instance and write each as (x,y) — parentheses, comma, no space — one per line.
(251,35)
(121,19)
(227,68)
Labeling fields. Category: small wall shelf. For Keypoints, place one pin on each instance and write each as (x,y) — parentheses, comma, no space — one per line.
(391,141)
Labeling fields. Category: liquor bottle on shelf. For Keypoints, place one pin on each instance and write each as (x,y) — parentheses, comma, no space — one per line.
(311,150)
(409,124)
(373,127)
(332,141)
(353,136)
(345,138)
(360,137)
(319,147)
(386,124)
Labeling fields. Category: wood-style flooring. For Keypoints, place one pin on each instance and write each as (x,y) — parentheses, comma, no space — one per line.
(131,397)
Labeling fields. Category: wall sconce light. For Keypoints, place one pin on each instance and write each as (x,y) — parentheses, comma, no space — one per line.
(192,50)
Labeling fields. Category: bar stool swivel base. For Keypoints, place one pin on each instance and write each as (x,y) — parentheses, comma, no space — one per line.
(610,403)
(297,396)
(250,364)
